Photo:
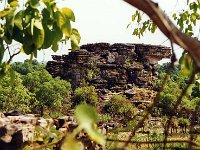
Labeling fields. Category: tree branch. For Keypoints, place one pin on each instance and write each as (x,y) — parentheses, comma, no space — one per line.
(191,45)
(11,57)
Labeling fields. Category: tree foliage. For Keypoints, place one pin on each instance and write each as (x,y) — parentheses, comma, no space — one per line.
(187,21)
(35,25)
(27,67)
(86,94)
(176,82)
(14,96)
(49,92)
(120,107)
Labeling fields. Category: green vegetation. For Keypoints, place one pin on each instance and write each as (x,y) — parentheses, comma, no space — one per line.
(27,67)
(34,90)
(42,25)
(86,94)
(14,96)
(119,107)
(176,82)
(39,25)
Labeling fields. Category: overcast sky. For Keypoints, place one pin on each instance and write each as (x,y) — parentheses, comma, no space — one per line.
(106,21)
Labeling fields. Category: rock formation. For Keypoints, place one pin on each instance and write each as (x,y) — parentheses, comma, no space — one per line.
(18,131)
(113,67)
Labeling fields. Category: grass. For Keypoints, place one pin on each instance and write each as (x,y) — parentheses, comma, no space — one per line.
(154,136)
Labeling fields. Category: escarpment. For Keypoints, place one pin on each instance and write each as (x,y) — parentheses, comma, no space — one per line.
(113,67)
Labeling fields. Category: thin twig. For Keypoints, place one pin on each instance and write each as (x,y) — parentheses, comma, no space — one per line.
(7,47)
(11,57)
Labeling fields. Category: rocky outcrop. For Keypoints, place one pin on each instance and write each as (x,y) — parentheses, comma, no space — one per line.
(18,131)
(113,67)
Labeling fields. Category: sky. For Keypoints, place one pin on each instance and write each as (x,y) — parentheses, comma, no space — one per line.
(106,21)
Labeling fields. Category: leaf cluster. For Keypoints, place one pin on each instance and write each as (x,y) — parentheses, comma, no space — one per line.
(37,25)
(142,26)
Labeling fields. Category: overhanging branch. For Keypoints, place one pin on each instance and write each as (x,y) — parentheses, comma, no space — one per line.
(191,45)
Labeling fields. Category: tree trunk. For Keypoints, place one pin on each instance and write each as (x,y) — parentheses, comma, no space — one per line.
(41,111)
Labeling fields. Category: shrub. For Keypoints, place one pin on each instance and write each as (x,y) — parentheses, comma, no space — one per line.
(85,94)
(120,106)
(14,96)
(105,118)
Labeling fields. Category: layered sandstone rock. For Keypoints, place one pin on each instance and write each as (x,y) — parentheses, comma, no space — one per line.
(18,131)
(114,67)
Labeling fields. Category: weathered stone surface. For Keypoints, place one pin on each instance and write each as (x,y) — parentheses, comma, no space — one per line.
(111,67)
(15,131)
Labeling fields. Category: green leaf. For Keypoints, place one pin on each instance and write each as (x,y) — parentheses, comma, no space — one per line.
(28,45)
(86,114)
(187,64)
(10,21)
(68,13)
(38,37)
(32,25)
(133,17)
(18,19)
(34,3)
(3,69)
(95,135)
(1,32)
(139,17)
(38,24)
(87,117)
(153,28)
(39,139)
(55,46)
(193,18)
(190,27)
(60,19)
(14,4)
(48,39)
(174,16)
(19,36)
(189,90)
(135,31)
(66,28)
(71,144)
(63,23)
(5,12)
(57,33)
(7,37)
(75,39)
